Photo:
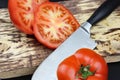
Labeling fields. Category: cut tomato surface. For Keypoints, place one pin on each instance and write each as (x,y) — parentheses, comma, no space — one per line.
(22,13)
(53,24)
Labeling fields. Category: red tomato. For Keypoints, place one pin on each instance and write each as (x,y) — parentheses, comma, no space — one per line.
(53,24)
(85,64)
(21,13)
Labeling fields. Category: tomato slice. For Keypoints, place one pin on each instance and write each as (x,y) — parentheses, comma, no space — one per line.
(53,24)
(22,13)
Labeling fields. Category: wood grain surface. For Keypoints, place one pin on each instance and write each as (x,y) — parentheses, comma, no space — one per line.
(20,54)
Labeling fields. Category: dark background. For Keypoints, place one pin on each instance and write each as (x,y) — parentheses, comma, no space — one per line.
(114,68)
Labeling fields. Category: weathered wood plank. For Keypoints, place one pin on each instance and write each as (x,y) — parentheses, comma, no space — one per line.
(106,33)
(18,50)
(20,54)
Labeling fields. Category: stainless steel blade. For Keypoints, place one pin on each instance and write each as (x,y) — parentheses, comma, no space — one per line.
(79,39)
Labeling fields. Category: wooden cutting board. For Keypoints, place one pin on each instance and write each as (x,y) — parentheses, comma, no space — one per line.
(20,54)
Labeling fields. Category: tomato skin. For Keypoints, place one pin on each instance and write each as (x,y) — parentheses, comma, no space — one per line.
(22,14)
(50,27)
(69,67)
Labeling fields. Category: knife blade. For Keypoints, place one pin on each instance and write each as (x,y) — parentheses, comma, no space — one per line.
(79,39)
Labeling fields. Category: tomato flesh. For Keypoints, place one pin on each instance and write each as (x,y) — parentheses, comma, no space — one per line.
(53,24)
(22,13)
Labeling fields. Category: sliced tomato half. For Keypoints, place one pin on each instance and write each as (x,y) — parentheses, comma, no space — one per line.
(53,24)
(21,13)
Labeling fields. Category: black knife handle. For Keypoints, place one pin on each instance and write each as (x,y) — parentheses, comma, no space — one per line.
(103,11)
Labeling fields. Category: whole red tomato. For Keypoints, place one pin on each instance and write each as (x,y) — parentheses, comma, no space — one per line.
(22,13)
(53,24)
(85,64)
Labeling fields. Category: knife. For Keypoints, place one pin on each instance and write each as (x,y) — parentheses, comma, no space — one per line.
(79,39)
